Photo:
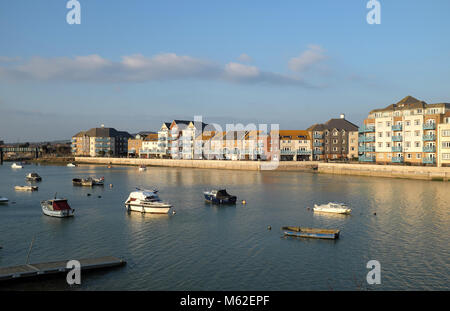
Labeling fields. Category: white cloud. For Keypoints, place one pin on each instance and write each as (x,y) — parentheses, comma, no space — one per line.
(244,58)
(313,55)
(235,70)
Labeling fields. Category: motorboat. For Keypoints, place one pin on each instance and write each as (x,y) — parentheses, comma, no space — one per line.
(33,177)
(15,165)
(336,208)
(88,182)
(57,208)
(146,201)
(71,165)
(3,200)
(26,188)
(142,168)
(219,197)
(98,181)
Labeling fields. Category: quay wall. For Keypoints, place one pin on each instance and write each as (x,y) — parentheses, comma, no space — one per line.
(392,171)
(209,164)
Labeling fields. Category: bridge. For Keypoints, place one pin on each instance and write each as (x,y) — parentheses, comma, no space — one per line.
(34,150)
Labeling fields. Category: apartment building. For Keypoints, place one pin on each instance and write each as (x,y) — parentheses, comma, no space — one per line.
(330,140)
(100,141)
(443,143)
(149,147)
(404,132)
(135,144)
(294,145)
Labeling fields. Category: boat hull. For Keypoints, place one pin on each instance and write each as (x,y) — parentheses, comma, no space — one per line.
(344,211)
(330,234)
(26,188)
(3,200)
(59,214)
(155,209)
(212,199)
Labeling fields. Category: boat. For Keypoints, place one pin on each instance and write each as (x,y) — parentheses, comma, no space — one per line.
(337,208)
(146,201)
(142,168)
(311,232)
(57,208)
(33,177)
(15,165)
(3,200)
(26,188)
(219,197)
(71,165)
(98,181)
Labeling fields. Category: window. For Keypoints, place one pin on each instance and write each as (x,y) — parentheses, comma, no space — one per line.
(388,123)
(417,144)
(408,134)
(335,149)
(388,134)
(380,145)
(419,156)
(335,141)
(409,156)
(408,123)
(388,145)
(446,156)
(446,133)
(380,134)
(446,144)
(417,133)
(419,111)
(335,133)
(417,122)
(408,144)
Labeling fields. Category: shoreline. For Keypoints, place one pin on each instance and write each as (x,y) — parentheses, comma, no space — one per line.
(370,170)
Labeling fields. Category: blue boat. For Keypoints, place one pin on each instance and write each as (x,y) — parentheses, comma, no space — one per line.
(219,197)
(311,233)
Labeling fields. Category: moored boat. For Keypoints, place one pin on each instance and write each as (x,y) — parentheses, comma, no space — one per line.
(57,208)
(219,197)
(142,168)
(98,181)
(146,201)
(71,165)
(33,177)
(311,232)
(3,200)
(26,188)
(15,165)
(336,208)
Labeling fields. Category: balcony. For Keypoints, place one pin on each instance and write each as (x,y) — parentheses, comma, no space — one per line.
(287,152)
(428,160)
(429,137)
(317,144)
(366,139)
(397,138)
(429,149)
(397,149)
(366,159)
(429,126)
(303,152)
(397,160)
(106,139)
(318,152)
(318,136)
(366,129)
(397,127)
(366,149)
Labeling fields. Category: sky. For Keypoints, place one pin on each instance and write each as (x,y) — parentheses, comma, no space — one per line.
(133,65)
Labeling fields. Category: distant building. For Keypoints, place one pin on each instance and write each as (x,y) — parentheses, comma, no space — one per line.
(330,140)
(294,145)
(150,146)
(100,141)
(443,143)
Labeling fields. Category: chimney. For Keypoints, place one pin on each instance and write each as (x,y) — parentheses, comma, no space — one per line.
(342,116)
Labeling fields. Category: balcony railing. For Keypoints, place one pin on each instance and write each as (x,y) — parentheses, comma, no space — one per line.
(318,136)
(397,138)
(429,126)
(303,152)
(317,144)
(397,148)
(429,137)
(428,160)
(318,152)
(287,152)
(397,127)
(429,149)
(397,159)
(366,129)
(366,159)
(366,149)
(366,139)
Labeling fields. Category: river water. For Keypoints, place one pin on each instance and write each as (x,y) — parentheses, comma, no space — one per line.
(205,247)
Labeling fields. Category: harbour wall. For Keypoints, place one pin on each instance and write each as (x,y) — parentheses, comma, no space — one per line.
(392,171)
(209,164)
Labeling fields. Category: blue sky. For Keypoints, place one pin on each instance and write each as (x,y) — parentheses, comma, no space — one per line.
(135,64)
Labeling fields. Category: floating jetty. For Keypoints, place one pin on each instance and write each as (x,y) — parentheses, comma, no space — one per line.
(34,271)
(311,233)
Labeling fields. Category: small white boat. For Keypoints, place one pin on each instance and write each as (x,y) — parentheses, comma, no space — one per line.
(15,165)
(336,208)
(71,165)
(57,208)
(33,177)
(146,201)
(98,181)
(142,168)
(26,188)
(3,200)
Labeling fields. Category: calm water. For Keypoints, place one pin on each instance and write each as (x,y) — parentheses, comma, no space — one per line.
(204,247)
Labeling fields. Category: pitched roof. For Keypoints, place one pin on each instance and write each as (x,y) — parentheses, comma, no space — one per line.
(294,134)
(106,132)
(339,124)
(151,137)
